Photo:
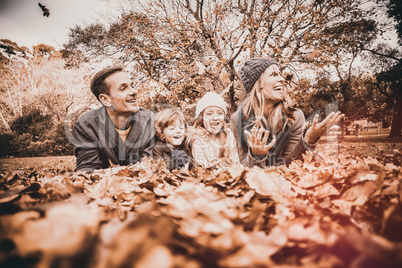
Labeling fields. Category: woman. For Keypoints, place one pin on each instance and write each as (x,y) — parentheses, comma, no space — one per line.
(268,130)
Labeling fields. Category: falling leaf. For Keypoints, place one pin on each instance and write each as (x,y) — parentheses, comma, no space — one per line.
(45,10)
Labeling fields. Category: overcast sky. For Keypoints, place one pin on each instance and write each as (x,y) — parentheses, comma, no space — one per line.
(22,21)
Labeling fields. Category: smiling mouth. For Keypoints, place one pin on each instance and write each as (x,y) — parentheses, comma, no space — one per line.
(215,124)
(278,88)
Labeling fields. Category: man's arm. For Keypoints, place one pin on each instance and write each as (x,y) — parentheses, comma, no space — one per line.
(150,131)
(86,150)
(147,152)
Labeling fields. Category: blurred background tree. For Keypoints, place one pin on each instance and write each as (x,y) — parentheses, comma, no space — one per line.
(36,92)
(180,49)
(189,47)
(389,77)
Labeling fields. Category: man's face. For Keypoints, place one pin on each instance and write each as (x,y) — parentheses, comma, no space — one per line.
(122,97)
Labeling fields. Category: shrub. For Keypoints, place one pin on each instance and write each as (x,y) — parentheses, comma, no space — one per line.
(35,134)
(7,146)
(33,122)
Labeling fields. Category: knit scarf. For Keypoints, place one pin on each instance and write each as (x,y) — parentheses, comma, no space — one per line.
(282,138)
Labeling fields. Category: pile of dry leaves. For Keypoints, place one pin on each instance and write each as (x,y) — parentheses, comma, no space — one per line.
(325,211)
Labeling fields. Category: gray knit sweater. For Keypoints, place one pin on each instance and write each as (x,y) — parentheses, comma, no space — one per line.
(98,145)
(289,146)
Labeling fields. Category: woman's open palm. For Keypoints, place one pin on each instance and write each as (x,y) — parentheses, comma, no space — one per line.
(316,130)
(257,141)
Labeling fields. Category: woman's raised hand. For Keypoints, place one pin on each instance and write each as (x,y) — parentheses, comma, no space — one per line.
(316,130)
(257,141)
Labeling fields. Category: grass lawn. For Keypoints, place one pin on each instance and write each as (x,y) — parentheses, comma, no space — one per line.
(52,164)
(381,138)
(377,146)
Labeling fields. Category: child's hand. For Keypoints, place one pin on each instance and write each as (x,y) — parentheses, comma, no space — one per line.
(179,159)
(257,141)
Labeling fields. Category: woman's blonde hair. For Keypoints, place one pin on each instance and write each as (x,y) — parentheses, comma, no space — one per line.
(201,132)
(254,104)
(167,117)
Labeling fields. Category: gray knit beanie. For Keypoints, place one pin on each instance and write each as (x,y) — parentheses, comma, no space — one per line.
(210,99)
(253,69)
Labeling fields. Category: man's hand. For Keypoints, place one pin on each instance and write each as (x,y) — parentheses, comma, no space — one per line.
(257,141)
(316,130)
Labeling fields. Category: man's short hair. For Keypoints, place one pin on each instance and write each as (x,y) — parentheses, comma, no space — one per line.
(98,85)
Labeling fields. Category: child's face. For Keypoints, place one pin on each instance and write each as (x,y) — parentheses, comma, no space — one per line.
(213,119)
(174,133)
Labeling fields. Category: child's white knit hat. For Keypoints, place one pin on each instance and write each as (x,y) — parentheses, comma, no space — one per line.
(210,99)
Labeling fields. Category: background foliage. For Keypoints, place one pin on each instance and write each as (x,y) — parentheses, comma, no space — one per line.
(188,47)
(36,94)
(336,52)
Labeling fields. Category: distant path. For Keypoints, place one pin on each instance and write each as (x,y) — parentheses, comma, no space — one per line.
(383,138)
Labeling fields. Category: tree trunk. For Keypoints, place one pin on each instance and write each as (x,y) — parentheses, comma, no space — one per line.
(341,124)
(396,125)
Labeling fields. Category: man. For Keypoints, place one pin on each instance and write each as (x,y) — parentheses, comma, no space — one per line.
(118,133)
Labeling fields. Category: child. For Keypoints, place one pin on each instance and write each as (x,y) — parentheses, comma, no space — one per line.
(212,139)
(170,131)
